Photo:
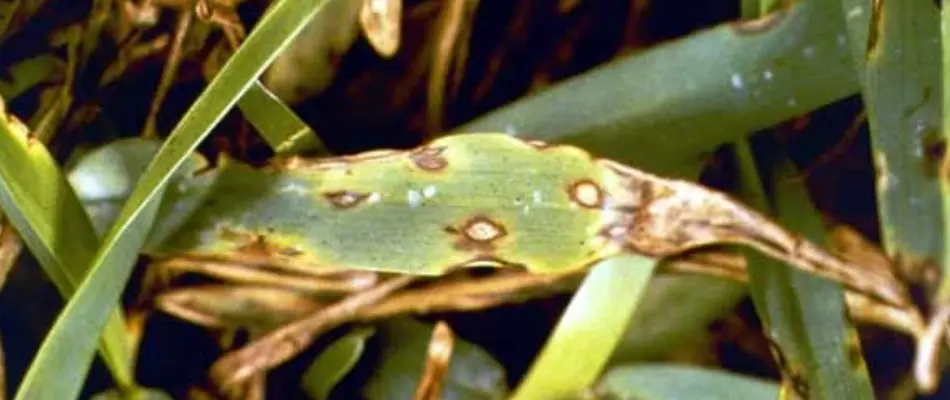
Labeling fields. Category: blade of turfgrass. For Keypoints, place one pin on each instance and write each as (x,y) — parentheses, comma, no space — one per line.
(589,330)
(676,382)
(46,213)
(944,170)
(897,54)
(804,315)
(279,125)
(63,361)
(662,108)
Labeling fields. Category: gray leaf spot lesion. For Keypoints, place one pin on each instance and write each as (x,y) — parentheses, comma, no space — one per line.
(345,199)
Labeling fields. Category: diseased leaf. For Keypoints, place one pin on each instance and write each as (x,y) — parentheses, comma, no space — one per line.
(896,53)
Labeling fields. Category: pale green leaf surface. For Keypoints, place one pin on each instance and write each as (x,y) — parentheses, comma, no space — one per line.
(661,110)
(39,203)
(901,91)
(279,125)
(67,350)
(672,382)
(473,374)
(589,330)
(334,363)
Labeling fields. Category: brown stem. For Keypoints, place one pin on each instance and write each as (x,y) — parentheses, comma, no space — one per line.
(287,341)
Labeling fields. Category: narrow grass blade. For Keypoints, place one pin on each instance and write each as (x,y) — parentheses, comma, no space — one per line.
(333,363)
(804,315)
(661,109)
(944,292)
(897,54)
(280,126)
(42,207)
(63,361)
(589,330)
(672,382)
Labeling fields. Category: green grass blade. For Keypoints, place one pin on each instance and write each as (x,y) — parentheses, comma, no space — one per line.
(671,382)
(44,210)
(898,58)
(334,363)
(661,109)
(403,344)
(804,315)
(280,126)
(589,330)
(944,292)
(63,361)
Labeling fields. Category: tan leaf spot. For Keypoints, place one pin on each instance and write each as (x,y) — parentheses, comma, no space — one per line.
(587,194)
(481,229)
(429,158)
(345,198)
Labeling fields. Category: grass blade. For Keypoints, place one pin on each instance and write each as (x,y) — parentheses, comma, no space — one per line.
(589,329)
(804,315)
(42,207)
(669,382)
(661,110)
(897,55)
(283,130)
(63,361)
(944,292)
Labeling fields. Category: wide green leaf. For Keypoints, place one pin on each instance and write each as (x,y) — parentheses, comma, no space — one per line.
(663,108)
(60,368)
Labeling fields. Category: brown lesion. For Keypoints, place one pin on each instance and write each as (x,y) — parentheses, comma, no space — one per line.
(587,193)
(254,247)
(429,158)
(344,199)
(479,234)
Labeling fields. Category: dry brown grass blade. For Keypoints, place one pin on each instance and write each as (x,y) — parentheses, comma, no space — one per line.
(335,283)
(172,64)
(455,20)
(381,22)
(10,248)
(286,342)
(437,363)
